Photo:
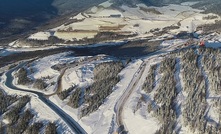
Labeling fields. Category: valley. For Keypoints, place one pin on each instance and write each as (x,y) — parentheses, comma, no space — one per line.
(125,67)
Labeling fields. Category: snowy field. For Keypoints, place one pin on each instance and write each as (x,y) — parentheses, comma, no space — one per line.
(139,20)
(40,36)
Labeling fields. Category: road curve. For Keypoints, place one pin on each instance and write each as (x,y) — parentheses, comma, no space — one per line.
(123,99)
(75,127)
(119,106)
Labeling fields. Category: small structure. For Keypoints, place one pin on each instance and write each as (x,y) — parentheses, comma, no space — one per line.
(115,16)
(202,43)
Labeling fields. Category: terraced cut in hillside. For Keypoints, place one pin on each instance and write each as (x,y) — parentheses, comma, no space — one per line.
(187,97)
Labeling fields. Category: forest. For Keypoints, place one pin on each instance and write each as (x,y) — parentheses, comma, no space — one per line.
(19,119)
(197,71)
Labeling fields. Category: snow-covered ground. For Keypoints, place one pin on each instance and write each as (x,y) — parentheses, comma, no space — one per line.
(40,36)
(81,77)
(100,121)
(168,43)
(42,69)
(41,111)
(104,119)
(139,20)
(97,122)
(15,48)
(145,123)
(82,74)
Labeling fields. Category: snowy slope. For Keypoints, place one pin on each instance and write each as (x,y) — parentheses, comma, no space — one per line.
(139,20)
(100,121)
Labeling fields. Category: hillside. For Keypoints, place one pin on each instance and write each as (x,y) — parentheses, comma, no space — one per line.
(110,67)
(108,22)
(19,18)
(181,92)
(211,6)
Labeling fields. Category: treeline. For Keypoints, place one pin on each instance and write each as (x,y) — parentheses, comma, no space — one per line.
(74,94)
(196,105)
(75,98)
(21,124)
(51,128)
(165,97)
(100,37)
(212,65)
(149,83)
(22,75)
(23,79)
(200,81)
(20,120)
(12,115)
(35,128)
(105,78)
(64,94)
(40,84)
(190,69)
(209,28)
(5,101)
